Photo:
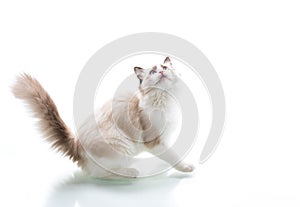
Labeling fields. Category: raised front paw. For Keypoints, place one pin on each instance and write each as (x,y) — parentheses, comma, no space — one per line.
(184,167)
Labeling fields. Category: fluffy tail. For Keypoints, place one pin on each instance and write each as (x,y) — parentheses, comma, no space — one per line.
(50,123)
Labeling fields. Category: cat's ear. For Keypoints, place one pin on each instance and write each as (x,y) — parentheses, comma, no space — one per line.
(139,73)
(168,61)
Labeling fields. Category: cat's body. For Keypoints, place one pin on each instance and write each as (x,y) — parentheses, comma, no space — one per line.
(123,128)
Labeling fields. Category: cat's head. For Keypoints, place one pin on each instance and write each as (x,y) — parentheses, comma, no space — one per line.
(159,76)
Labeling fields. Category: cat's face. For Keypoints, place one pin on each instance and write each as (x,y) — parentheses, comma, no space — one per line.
(160,76)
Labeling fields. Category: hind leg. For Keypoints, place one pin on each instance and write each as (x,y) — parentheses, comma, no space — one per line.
(117,167)
(121,167)
(123,173)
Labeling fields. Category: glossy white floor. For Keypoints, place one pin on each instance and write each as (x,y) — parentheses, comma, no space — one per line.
(240,173)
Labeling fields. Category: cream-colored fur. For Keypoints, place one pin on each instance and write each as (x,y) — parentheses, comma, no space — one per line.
(123,128)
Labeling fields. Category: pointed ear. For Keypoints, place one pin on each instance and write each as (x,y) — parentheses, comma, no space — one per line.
(168,61)
(139,73)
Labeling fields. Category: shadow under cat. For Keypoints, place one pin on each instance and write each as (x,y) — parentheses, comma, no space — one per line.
(83,191)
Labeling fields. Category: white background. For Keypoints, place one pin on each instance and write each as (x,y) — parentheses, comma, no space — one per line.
(254,47)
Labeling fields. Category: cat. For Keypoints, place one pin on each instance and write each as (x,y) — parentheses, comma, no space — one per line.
(123,127)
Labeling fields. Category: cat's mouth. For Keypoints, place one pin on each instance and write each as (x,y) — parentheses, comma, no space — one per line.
(163,76)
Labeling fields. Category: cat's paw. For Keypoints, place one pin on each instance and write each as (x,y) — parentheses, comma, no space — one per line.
(184,167)
(130,172)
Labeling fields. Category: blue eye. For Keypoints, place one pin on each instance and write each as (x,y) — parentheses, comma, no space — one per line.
(152,72)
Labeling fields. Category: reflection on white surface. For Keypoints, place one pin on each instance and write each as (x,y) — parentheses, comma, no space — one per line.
(89,192)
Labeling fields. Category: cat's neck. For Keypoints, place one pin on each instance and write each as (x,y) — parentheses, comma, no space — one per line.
(155,98)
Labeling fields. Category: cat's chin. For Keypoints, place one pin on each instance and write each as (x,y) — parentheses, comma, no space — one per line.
(165,85)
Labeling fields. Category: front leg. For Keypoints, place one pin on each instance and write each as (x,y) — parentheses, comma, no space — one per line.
(170,156)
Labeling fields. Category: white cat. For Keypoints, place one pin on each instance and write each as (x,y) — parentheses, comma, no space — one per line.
(123,127)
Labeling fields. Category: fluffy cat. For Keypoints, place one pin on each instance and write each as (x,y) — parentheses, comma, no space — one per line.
(123,127)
